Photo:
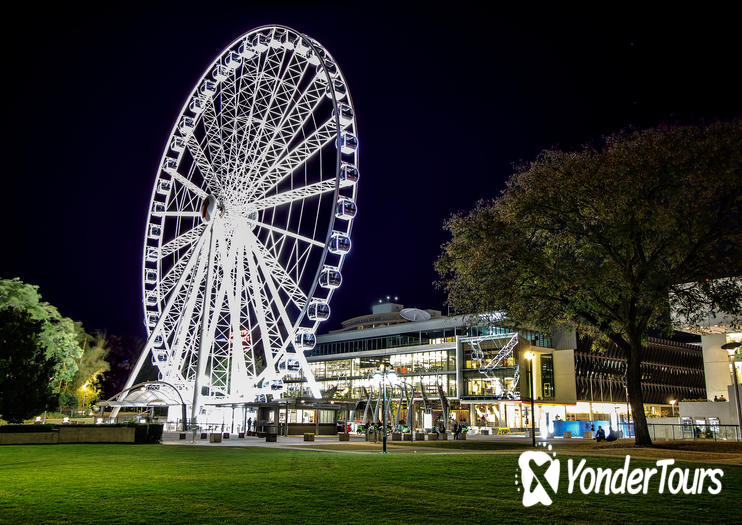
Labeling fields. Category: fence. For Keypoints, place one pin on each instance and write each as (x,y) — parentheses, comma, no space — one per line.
(667,431)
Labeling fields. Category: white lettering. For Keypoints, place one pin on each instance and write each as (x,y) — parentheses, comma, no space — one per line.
(691,489)
(572,475)
(621,474)
(673,487)
(604,474)
(712,476)
(634,483)
(648,473)
(664,463)
(589,488)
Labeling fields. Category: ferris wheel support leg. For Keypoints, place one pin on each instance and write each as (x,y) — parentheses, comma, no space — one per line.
(204,344)
(158,327)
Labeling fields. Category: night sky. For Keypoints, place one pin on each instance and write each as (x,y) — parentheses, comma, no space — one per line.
(446,101)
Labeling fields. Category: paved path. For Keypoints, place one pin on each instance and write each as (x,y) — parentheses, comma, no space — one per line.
(501,445)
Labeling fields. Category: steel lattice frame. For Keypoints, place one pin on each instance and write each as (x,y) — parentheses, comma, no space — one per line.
(250,220)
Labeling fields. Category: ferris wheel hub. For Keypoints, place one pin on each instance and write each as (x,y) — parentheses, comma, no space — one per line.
(211,207)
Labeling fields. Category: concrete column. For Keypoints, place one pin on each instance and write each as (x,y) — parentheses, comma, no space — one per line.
(715,365)
(459,368)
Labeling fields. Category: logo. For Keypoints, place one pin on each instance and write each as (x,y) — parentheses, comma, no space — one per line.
(540,475)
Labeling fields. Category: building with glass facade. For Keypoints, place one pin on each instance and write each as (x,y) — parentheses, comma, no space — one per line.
(452,366)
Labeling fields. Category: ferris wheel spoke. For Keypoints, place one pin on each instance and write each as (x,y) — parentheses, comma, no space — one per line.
(298,194)
(214,142)
(187,184)
(182,214)
(278,273)
(297,157)
(268,96)
(261,90)
(287,233)
(182,240)
(288,130)
(275,115)
(204,166)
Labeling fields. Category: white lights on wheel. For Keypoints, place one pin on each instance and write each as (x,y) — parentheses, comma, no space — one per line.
(249,222)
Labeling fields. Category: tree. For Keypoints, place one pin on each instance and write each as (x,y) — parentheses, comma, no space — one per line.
(25,368)
(85,386)
(123,352)
(608,238)
(59,336)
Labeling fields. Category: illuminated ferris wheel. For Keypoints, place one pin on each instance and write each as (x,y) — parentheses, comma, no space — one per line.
(250,221)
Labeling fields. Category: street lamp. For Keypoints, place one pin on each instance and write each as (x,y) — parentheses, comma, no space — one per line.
(530,356)
(672,402)
(84,391)
(731,349)
(385,375)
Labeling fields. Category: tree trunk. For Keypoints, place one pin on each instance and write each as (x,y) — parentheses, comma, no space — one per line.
(636,398)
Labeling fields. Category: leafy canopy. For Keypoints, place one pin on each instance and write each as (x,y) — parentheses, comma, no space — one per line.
(59,337)
(25,367)
(606,237)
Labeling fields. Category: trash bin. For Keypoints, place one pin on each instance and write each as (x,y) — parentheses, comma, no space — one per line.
(309,436)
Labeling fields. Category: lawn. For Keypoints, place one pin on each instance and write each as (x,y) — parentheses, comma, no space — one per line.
(177,484)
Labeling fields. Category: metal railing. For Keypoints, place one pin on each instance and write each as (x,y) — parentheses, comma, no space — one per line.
(669,431)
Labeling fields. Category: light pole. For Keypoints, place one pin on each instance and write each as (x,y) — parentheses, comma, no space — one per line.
(529,356)
(731,349)
(385,375)
(84,391)
(672,402)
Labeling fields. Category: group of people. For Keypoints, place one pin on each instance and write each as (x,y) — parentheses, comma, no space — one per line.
(458,429)
(600,434)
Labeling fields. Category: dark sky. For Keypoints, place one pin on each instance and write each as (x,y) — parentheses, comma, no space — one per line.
(446,101)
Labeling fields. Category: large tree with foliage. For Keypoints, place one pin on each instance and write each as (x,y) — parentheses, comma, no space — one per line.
(25,368)
(606,238)
(59,336)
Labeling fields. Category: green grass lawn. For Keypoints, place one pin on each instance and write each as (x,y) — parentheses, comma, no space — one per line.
(176,484)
